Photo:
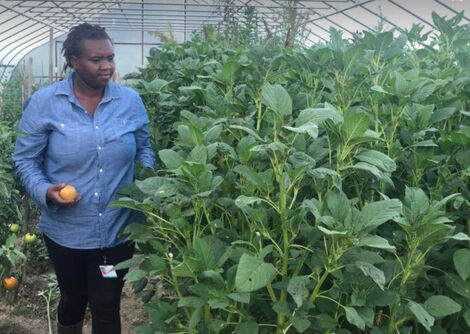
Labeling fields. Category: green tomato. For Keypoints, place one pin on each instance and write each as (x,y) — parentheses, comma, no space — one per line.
(14,228)
(29,238)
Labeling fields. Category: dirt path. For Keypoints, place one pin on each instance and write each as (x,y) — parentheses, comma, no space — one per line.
(29,315)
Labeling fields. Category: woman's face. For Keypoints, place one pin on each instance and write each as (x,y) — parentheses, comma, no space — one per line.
(95,64)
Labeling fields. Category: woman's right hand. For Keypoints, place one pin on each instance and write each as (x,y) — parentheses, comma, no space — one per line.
(53,196)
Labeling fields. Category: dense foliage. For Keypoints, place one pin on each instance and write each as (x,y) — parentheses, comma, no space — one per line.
(11,212)
(318,190)
(10,194)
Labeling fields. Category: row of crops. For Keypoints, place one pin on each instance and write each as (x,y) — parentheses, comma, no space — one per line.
(319,190)
(13,206)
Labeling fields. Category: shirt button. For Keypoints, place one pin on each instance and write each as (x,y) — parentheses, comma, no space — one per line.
(62,125)
(100,214)
(99,147)
(96,194)
(97,127)
(101,170)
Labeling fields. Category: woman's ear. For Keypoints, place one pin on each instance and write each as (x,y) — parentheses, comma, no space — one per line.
(73,61)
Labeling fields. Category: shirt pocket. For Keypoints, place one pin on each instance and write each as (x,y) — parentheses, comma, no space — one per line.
(66,140)
(121,131)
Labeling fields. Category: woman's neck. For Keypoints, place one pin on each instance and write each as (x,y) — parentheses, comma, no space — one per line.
(80,88)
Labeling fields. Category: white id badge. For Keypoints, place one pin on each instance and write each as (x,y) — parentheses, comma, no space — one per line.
(108,271)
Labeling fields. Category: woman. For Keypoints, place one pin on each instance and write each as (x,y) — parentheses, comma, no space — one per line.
(88,132)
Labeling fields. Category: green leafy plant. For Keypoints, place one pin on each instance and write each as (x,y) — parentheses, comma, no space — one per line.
(306,190)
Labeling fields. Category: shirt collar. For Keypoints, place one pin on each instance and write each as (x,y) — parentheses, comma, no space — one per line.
(65,87)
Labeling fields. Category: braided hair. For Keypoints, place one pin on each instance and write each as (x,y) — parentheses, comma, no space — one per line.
(72,44)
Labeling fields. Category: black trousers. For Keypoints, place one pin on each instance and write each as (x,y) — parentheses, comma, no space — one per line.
(81,283)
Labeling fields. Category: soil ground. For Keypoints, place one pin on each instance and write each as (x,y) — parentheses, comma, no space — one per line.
(26,313)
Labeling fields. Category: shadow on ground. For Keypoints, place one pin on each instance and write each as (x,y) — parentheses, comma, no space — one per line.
(10,328)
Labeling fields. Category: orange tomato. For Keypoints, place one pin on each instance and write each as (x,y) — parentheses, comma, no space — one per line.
(10,283)
(68,193)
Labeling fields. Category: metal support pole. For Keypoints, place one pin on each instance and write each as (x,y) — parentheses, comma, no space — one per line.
(30,77)
(185,28)
(51,50)
(142,35)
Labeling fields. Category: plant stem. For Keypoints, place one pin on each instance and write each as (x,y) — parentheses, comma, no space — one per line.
(48,308)
(271,292)
(207,314)
(260,114)
(319,284)
(174,281)
(406,274)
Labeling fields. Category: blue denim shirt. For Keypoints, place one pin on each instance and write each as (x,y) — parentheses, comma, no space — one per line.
(96,154)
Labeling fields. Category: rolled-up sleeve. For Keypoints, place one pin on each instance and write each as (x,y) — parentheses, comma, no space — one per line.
(29,153)
(145,153)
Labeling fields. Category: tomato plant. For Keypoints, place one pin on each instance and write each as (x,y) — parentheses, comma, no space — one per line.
(11,258)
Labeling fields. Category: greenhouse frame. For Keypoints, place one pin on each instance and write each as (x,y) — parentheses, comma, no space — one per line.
(26,25)
(235,166)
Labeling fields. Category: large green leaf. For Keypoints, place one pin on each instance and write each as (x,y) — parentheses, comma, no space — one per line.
(203,252)
(243,201)
(310,128)
(466,316)
(253,274)
(442,114)
(276,98)
(318,115)
(154,86)
(364,166)
(354,318)
(136,260)
(401,85)
(170,158)
(247,327)
(149,185)
(240,297)
(378,159)
(380,89)
(188,268)
(355,125)
(191,301)
(188,136)
(417,201)
(378,297)
(249,174)
(247,130)
(135,275)
(229,70)
(423,317)
(423,91)
(297,288)
(441,306)
(376,213)
(213,134)
(462,262)
(375,241)
(456,284)
(373,272)
(339,206)
(198,154)
(301,324)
